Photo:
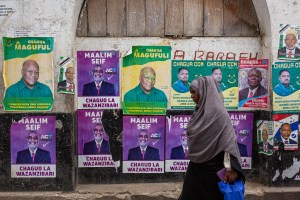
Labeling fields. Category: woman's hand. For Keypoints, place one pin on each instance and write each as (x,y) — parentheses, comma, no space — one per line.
(230,176)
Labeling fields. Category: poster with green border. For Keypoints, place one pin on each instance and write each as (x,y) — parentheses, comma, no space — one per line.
(265,139)
(183,73)
(146,80)
(224,72)
(227,80)
(28,74)
(286,87)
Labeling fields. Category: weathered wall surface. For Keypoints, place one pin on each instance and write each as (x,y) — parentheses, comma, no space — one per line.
(44,18)
(59,19)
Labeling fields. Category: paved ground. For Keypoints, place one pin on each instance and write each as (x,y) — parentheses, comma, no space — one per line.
(147,191)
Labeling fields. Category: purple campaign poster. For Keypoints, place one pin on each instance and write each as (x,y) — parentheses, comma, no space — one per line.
(33,147)
(98,79)
(176,143)
(93,141)
(143,144)
(243,125)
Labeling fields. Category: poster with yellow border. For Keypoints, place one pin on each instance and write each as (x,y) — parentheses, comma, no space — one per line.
(146,80)
(286,87)
(27,73)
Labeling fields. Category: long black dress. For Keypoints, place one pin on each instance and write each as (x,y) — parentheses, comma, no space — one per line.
(201,180)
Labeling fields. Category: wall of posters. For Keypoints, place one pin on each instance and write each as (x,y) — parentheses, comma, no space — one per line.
(265,137)
(33,147)
(285,131)
(286,87)
(253,84)
(289,45)
(146,80)
(27,73)
(143,144)
(243,126)
(176,143)
(93,141)
(66,76)
(98,79)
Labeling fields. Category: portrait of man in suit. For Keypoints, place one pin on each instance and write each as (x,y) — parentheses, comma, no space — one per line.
(181,151)
(68,84)
(145,90)
(216,73)
(285,133)
(98,87)
(98,146)
(255,88)
(33,154)
(143,151)
(182,85)
(284,88)
(290,50)
(265,146)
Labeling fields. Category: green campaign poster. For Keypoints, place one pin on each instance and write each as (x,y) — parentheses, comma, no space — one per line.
(146,80)
(286,87)
(185,71)
(27,73)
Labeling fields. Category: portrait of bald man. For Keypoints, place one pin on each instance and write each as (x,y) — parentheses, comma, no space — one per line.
(28,85)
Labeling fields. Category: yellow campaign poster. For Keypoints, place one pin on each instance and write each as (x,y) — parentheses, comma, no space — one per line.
(146,80)
(27,73)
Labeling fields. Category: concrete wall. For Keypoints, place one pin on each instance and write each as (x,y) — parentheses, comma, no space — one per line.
(58,18)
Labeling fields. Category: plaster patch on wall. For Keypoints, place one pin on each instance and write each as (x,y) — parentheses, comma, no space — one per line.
(20,31)
(47,27)
(195,48)
(9,11)
(41,27)
(9,8)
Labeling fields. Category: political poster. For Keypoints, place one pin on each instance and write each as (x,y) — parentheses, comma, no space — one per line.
(253,84)
(33,147)
(243,125)
(27,73)
(225,74)
(285,131)
(286,87)
(183,73)
(265,137)
(289,45)
(143,144)
(146,80)
(176,143)
(93,141)
(66,76)
(98,79)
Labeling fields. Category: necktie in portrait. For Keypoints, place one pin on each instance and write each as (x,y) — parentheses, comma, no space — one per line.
(70,88)
(290,53)
(250,94)
(143,153)
(185,152)
(99,147)
(286,142)
(265,148)
(98,88)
